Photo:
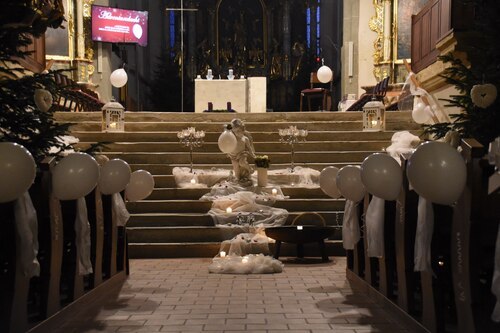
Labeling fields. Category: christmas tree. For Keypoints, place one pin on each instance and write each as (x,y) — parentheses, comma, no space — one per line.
(22,120)
(477,80)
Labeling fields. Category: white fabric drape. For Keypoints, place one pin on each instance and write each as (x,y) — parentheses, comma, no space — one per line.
(374,222)
(120,213)
(350,225)
(423,238)
(27,234)
(82,242)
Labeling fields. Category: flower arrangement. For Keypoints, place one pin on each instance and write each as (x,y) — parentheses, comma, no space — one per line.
(262,161)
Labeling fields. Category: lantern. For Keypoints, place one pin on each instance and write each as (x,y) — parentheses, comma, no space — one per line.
(374,116)
(113,117)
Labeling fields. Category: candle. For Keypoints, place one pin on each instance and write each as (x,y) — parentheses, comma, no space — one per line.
(230,72)
(244,260)
(299,227)
(229,210)
(374,123)
(274,191)
(222,254)
(209,72)
(112,125)
(193,181)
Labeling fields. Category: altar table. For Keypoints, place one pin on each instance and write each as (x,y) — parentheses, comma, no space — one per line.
(245,95)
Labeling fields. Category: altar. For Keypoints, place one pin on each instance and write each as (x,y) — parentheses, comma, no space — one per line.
(245,95)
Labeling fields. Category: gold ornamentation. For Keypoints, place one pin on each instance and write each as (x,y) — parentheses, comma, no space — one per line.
(376,24)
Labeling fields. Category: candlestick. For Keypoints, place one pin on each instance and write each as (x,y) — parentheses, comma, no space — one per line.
(191,138)
(292,136)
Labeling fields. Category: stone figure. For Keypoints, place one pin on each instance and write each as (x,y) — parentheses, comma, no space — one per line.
(244,149)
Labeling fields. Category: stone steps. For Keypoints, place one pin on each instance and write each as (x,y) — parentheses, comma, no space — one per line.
(197,206)
(210,249)
(271,136)
(172,222)
(174,193)
(219,157)
(212,147)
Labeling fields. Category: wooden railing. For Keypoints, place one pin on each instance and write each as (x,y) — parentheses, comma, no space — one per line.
(24,302)
(456,295)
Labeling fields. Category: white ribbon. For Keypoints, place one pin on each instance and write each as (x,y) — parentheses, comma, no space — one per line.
(82,230)
(27,232)
(120,213)
(350,225)
(417,91)
(374,221)
(495,284)
(423,238)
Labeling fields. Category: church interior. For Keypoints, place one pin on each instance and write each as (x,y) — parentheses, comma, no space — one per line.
(249,166)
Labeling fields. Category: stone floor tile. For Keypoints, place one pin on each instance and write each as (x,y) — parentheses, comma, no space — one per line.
(179,295)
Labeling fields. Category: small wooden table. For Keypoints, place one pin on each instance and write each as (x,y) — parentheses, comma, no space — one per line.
(293,234)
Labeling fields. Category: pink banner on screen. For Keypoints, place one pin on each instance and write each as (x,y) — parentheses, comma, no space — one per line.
(119,25)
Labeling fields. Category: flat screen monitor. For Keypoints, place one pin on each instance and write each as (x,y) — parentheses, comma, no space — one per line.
(116,25)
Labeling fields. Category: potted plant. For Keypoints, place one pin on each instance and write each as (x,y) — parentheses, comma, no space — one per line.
(262,163)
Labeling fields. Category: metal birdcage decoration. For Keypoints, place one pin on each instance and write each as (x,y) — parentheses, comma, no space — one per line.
(113,117)
(374,116)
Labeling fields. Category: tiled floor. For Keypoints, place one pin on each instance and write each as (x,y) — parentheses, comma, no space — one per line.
(179,295)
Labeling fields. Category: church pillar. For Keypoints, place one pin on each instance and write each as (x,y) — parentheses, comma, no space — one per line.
(286,39)
(387,30)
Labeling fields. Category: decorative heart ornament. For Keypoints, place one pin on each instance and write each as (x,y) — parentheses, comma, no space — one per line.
(483,95)
(43,99)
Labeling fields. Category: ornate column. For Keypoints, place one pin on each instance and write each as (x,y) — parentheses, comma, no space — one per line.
(387,30)
(286,39)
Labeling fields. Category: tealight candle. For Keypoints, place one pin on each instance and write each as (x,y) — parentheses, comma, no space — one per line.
(374,123)
(244,260)
(193,181)
(299,227)
(274,191)
(222,254)
(229,210)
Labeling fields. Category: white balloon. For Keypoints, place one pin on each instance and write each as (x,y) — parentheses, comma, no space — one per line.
(382,176)
(349,183)
(227,142)
(17,170)
(328,181)
(421,114)
(118,78)
(137,31)
(437,172)
(141,185)
(325,74)
(75,176)
(115,175)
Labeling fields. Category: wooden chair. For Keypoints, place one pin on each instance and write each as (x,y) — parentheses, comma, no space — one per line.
(378,94)
(316,92)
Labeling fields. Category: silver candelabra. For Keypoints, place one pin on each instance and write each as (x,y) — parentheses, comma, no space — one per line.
(292,136)
(191,138)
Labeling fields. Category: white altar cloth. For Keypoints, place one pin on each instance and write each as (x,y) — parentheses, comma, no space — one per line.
(219,92)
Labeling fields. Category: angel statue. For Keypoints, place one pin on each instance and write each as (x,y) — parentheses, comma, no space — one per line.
(244,149)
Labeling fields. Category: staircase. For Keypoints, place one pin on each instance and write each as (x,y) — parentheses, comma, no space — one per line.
(172,222)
